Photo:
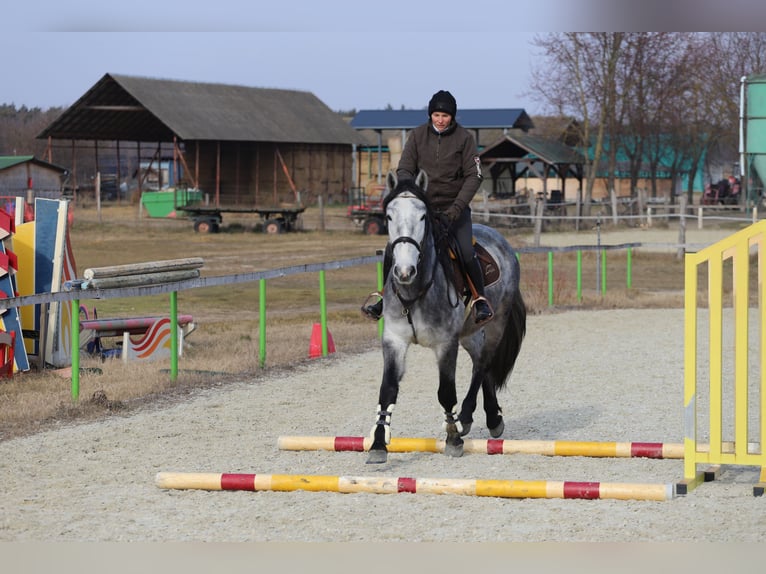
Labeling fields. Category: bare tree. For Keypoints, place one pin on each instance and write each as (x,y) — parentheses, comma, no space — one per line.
(579,79)
(664,100)
(651,78)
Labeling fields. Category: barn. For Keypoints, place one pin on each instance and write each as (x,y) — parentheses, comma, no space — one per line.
(241,146)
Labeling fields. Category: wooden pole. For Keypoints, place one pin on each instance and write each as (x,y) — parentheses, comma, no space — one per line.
(393,485)
(538,216)
(140,280)
(173,336)
(492,446)
(143,268)
(75,306)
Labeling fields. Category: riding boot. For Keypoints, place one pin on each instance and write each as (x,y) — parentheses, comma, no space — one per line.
(482,309)
(374,311)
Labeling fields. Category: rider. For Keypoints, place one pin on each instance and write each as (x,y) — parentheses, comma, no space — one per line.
(446,151)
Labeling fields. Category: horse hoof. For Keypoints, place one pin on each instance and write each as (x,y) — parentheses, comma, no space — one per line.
(454,450)
(498,430)
(377,456)
(466,429)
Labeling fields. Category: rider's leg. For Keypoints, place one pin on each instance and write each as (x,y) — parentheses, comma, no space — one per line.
(463,231)
(374,310)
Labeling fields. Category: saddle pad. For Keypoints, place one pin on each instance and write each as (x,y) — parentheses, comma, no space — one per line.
(489,268)
(488,265)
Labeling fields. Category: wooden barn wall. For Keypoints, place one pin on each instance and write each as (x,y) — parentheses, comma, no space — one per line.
(252,173)
(13,180)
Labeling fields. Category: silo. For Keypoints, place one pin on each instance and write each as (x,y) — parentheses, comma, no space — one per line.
(755,127)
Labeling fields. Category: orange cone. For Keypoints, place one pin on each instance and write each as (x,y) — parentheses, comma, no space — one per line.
(315,346)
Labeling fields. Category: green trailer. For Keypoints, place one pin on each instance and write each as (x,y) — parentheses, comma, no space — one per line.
(166,203)
(208,218)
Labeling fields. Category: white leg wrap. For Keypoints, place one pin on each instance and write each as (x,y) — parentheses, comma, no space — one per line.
(384,419)
(452,418)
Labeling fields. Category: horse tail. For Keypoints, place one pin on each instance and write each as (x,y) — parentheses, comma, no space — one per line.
(507,350)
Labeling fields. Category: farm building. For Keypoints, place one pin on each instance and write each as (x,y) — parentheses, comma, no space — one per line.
(519,158)
(241,146)
(27,176)
(386,131)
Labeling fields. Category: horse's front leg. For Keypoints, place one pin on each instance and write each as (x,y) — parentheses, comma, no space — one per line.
(447,360)
(393,370)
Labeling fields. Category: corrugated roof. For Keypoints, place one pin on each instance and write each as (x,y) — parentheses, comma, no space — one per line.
(517,147)
(7,161)
(132,108)
(472,119)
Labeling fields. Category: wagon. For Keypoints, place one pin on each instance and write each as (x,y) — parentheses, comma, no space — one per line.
(208,219)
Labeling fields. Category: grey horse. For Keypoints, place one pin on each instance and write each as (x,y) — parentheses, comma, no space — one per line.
(423,304)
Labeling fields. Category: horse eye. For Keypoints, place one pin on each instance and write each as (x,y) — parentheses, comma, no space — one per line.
(422,217)
(388,217)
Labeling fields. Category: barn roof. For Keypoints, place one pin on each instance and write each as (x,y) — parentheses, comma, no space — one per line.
(133,108)
(8,161)
(517,147)
(472,119)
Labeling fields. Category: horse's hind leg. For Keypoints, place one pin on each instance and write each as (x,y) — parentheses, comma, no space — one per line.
(469,403)
(492,409)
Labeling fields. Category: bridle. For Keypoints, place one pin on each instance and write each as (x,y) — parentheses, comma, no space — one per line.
(419,245)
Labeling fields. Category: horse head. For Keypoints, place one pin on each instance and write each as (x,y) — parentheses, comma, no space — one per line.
(408,217)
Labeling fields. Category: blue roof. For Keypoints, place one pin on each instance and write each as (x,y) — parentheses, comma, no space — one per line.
(472,119)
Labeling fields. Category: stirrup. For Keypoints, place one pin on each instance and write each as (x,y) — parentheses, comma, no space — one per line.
(487,319)
(369,310)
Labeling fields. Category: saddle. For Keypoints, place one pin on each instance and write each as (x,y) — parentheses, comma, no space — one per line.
(489,268)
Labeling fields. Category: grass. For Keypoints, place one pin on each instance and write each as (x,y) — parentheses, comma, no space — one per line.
(225,345)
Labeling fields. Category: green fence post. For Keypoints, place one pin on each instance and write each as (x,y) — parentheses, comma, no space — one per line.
(323,310)
(579,275)
(603,272)
(262,322)
(629,278)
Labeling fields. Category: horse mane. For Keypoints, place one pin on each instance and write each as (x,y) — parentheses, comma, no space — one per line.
(438,230)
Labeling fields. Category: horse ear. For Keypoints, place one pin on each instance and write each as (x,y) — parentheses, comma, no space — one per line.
(391,181)
(422,180)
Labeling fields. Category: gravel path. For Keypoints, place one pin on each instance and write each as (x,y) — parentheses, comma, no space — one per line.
(586,376)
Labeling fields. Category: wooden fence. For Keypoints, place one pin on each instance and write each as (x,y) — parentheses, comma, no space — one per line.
(541,213)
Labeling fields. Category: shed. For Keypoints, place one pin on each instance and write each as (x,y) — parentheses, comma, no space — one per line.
(24,175)
(240,145)
(521,155)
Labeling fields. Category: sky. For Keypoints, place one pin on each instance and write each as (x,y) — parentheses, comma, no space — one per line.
(358,54)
